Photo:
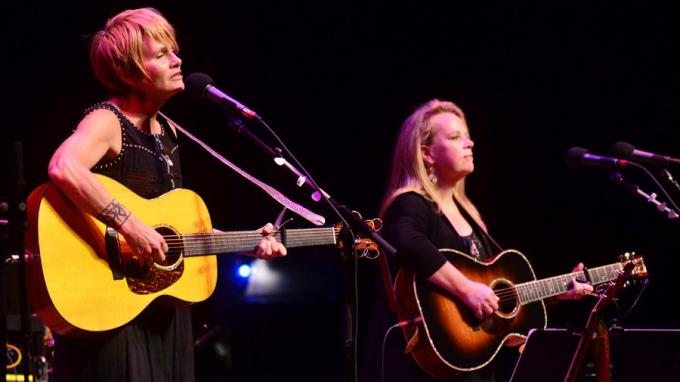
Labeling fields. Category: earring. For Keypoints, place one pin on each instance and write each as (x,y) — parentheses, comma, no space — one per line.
(431,175)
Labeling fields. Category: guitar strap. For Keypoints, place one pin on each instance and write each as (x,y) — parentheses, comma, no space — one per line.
(271,191)
(476,226)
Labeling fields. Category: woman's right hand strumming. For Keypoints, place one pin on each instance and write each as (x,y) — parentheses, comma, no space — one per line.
(147,244)
(480,298)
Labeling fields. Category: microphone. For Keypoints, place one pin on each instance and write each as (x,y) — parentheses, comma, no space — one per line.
(578,156)
(629,151)
(200,85)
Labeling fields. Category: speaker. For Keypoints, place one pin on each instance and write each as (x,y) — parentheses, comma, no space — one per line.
(651,355)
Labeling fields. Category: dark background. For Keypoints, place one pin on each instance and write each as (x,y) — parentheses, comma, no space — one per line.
(335,79)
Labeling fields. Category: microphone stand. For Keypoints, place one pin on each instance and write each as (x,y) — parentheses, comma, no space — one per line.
(669,178)
(4,234)
(16,227)
(349,218)
(617,178)
(276,154)
(353,224)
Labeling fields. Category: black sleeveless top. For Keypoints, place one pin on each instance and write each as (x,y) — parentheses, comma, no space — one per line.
(158,344)
(147,164)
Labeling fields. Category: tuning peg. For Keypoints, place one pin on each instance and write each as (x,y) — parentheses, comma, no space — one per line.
(377,224)
(627,256)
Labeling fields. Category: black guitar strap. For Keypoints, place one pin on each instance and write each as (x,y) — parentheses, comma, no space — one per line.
(477,227)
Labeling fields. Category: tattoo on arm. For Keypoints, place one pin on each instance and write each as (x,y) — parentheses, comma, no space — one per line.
(114,215)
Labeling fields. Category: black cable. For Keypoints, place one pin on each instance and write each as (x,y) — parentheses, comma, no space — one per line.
(356,314)
(382,352)
(637,299)
(658,185)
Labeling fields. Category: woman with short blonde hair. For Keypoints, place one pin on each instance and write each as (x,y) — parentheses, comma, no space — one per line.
(118,51)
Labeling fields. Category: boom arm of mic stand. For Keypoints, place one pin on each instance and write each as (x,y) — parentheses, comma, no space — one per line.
(354,222)
(651,198)
(238,125)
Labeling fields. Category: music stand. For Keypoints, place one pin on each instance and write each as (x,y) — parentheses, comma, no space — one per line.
(546,356)
(645,354)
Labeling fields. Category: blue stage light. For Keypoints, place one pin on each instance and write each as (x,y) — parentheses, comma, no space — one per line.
(245,270)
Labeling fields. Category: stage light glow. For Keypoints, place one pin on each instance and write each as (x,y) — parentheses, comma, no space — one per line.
(245,271)
(266,281)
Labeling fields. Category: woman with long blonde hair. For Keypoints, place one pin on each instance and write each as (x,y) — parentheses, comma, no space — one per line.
(426,208)
(433,155)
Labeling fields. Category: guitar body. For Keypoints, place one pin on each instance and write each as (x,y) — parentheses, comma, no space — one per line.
(76,285)
(450,339)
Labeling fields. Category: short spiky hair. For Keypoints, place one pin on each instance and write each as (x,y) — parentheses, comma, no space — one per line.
(118,50)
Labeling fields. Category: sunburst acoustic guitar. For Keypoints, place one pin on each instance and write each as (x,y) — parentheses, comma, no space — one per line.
(450,340)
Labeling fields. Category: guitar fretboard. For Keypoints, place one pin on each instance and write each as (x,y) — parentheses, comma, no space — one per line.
(539,289)
(244,241)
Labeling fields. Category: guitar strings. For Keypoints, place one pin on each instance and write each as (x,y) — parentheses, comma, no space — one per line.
(512,293)
(240,239)
(227,236)
(197,242)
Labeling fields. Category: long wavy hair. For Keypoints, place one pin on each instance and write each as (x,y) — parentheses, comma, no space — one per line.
(408,167)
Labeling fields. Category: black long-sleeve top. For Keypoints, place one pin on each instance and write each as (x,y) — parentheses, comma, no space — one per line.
(417,230)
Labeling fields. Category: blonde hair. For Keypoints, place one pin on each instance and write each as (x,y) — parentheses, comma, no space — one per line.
(118,51)
(408,167)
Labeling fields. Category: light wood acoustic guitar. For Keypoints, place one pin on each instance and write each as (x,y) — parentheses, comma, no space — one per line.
(450,340)
(77,282)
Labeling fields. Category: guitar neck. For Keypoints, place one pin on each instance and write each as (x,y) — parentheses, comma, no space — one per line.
(244,241)
(539,289)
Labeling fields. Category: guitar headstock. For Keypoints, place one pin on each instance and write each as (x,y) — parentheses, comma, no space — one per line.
(639,267)
(367,247)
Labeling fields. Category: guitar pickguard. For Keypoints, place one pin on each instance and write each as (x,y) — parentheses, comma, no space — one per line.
(147,280)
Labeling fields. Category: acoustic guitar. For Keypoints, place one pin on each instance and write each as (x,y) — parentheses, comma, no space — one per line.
(78,283)
(450,339)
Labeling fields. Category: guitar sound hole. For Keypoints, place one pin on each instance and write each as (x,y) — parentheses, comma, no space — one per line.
(174,245)
(161,275)
(508,297)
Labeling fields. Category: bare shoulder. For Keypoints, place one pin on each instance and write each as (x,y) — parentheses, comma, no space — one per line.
(100,122)
(97,136)
(99,129)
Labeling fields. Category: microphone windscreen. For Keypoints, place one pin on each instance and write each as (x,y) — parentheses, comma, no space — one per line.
(574,156)
(196,83)
(623,149)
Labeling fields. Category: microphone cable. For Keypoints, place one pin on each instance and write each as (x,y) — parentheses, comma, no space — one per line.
(382,351)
